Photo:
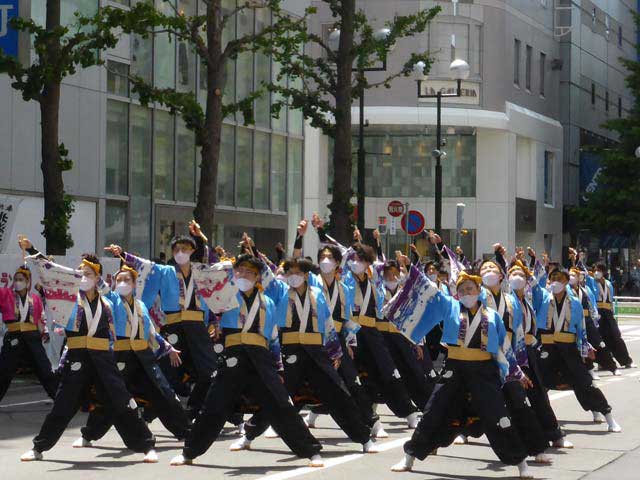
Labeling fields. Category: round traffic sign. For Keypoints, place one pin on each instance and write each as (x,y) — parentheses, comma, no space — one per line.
(395,208)
(416,223)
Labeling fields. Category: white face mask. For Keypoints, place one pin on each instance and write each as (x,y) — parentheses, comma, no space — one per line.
(296,280)
(557,287)
(86,284)
(433,277)
(469,300)
(19,285)
(517,283)
(327,265)
(124,289)
(598,275)
(573,280)
(357,267)
(491,279)
(391,284)
(244,285)
(182,258)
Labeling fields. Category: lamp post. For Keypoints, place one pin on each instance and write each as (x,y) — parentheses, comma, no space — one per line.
(334,40)
(459,71)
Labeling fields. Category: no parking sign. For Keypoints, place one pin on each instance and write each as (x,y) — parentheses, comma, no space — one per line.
(415,223)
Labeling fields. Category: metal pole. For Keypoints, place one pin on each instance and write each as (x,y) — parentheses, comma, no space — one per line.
(406,224)
(361,158)
(438,213)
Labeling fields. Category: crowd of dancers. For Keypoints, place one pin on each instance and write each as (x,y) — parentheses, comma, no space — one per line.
(456,350)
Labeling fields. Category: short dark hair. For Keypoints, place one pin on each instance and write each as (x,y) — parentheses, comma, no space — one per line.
(91,257)
(334,250)
(183,239)
(601,266)
(249,259)
(366,253)
(389,264)
(305,265)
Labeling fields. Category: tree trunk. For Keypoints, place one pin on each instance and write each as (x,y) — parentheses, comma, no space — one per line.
(204,212)
(55,224)
(342,154)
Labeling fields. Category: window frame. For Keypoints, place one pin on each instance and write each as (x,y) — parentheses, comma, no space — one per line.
(517,46)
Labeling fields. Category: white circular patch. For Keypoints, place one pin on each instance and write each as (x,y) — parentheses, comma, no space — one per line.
(232,362)
(14,342)
(504,422)
(132,404)
(291,359)
(396,374)
(544,355)
(75,366)
(218,348)
(121,366)
(447,374)
(602,345)
(173,339)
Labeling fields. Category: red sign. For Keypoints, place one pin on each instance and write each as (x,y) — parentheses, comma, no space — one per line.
(416,223)
(395,208)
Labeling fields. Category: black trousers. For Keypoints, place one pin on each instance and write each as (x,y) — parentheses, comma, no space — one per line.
(539,398)
(380,372)
(311,364)
(25,348)
(444,417)
(146,382)
(417,375)
(524,418)
(604,358)
(349,374)
(198,360)
(612,337)
(561,363)
(249,369)
(82,369)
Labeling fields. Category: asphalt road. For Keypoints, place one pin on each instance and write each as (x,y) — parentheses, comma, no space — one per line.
(597,455)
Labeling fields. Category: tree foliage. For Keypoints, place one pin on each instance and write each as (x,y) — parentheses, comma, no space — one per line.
(330,82)
(614,207)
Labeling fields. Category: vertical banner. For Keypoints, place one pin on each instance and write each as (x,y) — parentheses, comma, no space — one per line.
(8,211)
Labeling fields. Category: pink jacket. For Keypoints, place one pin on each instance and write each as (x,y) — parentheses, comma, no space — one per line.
(8,307)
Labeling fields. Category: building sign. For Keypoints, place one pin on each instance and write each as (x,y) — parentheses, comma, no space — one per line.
(470,91)
(8,212)
(8,36)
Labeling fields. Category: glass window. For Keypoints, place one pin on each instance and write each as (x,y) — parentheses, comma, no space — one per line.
(117,145)
(261,171)
(516,62)
(593,94)
(543,72)
(263,71)
(279,124)
(163,167)
(142,58)
(186,53)
(186,164)
(527,71)
(115,224)
(294,180)
(244,79)
(296,120)
(164,52)
(140,190)
(406,163)
(548,177)
(278,173)
(225,166)
(117,78)
(244,156)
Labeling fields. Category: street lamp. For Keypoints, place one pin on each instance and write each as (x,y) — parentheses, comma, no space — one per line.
(334,41)
(459,71)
